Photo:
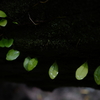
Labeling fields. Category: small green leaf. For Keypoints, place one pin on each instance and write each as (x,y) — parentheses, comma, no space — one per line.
(3,22)
(9,43)
(12,55)
(82,71)
(1,44)
(53,70)
(26,61)
(29,64)
(97,75)
(32,64)
(15,22)
(6,42)
(2,14)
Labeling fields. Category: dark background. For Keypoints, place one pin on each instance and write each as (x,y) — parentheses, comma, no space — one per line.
(64,31)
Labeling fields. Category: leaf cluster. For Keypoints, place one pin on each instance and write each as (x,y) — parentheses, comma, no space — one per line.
(3,21)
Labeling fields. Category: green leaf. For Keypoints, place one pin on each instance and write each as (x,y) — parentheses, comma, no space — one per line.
(32,64)
(82,71)
(2,14)
(15,22)
(26,61)
(6,42)
(3,22)
(9,43)
(2,44)
(97,75)
(12,55)
(29,64)
(53,70)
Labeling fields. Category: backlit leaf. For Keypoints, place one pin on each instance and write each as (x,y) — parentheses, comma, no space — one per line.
(2,14)
(82,71)
(97,75)
(53,70)
(32,64)
(12,55)
(3,22)
(26,61)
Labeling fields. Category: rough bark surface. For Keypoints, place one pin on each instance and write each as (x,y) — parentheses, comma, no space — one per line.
(53,30)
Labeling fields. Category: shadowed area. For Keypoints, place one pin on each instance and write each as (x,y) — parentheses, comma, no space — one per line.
(67,32)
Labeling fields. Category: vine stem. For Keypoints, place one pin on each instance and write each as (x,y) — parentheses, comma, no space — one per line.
(32,20)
